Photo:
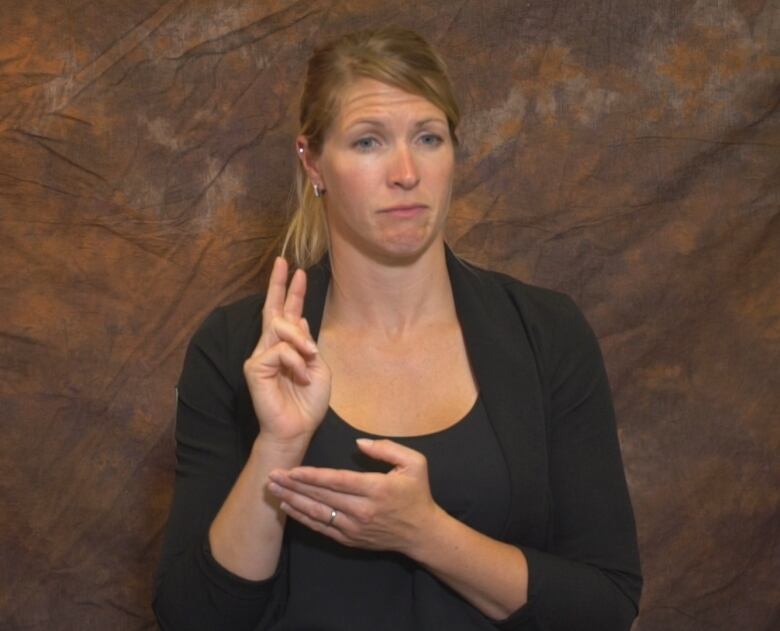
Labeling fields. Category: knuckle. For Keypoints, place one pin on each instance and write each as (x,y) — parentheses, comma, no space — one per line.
(377,489)
(364,515)
(283,347)
(249,365)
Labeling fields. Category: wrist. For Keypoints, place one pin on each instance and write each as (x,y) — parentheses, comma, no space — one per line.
(281,451)
(422,547)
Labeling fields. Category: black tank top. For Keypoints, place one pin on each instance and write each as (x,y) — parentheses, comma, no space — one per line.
(333,587)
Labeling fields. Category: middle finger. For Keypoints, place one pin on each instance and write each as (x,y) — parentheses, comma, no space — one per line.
(292,492)
(316,510)
(293,304)
(295,335)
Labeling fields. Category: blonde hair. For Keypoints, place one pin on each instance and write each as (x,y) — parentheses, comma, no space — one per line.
(395,56)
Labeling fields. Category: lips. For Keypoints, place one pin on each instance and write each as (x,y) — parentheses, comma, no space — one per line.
(405,210)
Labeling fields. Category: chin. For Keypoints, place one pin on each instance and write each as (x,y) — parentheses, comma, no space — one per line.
(395,247)
(398,252)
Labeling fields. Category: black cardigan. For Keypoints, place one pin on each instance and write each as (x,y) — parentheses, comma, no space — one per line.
(541,377)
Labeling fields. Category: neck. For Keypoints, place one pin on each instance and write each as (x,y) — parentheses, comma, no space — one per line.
(390,300)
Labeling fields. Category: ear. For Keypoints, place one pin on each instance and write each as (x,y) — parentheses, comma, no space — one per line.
(309,160)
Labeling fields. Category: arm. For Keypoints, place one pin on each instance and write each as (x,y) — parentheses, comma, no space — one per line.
(289,385)
(589,575)
(396,511)
(193,590)
(490,574)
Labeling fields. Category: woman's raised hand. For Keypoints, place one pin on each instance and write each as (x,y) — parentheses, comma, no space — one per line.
(288,381)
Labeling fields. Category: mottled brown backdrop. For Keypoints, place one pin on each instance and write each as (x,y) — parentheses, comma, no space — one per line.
(626,152)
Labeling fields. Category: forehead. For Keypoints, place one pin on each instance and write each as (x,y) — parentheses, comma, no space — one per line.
(366,98)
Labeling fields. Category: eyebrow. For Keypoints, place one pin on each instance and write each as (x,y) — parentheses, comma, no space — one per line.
(379,123)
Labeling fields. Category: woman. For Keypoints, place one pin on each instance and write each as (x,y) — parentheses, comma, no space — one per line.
(409,442)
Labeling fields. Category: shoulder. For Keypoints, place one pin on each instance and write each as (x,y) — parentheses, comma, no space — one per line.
(549,320)
(226,337)
(232,321)
(538,307)
(243,316)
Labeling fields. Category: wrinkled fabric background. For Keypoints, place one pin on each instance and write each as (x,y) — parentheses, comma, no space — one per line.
(627,153)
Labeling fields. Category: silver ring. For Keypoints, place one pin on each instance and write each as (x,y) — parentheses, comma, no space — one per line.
(333,513)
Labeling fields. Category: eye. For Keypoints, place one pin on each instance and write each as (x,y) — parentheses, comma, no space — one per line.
(365,144)
(431,140)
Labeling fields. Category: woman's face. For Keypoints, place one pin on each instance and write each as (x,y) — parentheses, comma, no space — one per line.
(386,163)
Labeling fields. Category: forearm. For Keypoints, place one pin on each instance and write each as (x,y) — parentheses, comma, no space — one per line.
(490,574)
(246,535)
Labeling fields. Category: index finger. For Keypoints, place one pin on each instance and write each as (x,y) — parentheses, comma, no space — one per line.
(293,304)
(341,480)
(277,289)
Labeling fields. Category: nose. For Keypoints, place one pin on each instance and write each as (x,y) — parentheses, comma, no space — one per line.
(404,173)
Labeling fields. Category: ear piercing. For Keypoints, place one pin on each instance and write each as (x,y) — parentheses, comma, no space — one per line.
(318,191)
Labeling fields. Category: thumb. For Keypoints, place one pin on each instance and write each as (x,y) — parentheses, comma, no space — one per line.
(392,452)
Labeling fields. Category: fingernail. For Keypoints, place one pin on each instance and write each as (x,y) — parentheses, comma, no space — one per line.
(274,488)
(311,346)
(364,442)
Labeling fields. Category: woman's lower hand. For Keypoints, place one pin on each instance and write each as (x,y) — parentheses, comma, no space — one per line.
(375,511)
(287,379)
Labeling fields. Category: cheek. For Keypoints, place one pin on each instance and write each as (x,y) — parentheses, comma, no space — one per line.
(354,194)
(350,194)
(352,180)
(442,178)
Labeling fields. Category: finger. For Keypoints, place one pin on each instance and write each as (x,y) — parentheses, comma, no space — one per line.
(304,496)
(294,335)
(322,527)
(279,356)
(293,305)
(315,509)
(392,452)
(335,480)
(277,290)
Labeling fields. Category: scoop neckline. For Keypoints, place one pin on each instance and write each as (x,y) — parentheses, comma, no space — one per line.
(342,421)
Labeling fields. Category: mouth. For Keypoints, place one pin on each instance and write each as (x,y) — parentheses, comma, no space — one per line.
(405,210)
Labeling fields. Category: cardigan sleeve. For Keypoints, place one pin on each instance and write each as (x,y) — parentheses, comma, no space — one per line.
(192,590)
(588,577)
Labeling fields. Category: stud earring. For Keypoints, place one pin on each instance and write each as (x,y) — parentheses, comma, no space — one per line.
(300,150)
(318,192)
